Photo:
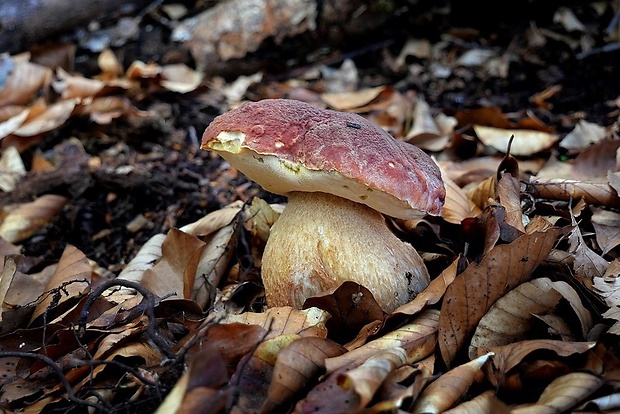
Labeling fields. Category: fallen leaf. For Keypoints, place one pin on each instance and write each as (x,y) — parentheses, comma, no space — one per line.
(471,294)
(563,394)
(449,388)
(526,141)
(584,134)
(12,168)
(297,367)
(417,338)
(19,222)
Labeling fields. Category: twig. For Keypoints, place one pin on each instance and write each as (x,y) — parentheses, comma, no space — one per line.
(151,328)
(106,407)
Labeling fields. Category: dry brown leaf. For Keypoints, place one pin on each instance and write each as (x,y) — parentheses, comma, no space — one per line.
(21,221)
(596,160)
(180,78)
(284,320)
(24,81)
(449,388)
(214,261)
(471,294)
(598,194)
(260,218)
(613,313)
(526,141)
(418,339)
(76,86)
(328,397)
(509,356)
(51,118)
(485,193)
(109,64)
(606,225)
(608,285)
(297,366)
(431,133)
(487,402)
(175,273)
(508,193)
(214,220)
(255,373)
(510,318)
(12,124)
(147,256)
(584,134)
(433,292)
(366,379)
(458,206)
(12,168)
(344,101)
(563,394)
(70,281)
(587,262)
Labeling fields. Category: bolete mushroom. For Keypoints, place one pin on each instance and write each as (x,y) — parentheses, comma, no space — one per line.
(341,173)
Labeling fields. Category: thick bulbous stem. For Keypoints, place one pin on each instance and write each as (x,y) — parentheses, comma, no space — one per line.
(321,241)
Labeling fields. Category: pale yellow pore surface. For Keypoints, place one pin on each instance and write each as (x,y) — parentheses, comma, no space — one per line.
(282,177)
(321,240)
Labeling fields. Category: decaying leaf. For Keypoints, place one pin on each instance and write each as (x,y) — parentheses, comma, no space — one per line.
(69,282)
(448,389)
(297,366)
(19,222)
(526,141)
(11,169)
(563,393)
(418,339)
(470,296)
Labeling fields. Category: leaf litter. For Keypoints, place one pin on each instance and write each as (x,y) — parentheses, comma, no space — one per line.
(521,314)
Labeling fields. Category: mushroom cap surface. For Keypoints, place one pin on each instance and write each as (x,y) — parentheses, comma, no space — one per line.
(287,145)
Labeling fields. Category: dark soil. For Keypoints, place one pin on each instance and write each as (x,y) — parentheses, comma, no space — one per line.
(173,182)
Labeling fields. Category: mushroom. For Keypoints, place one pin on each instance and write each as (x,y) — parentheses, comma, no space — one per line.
(341,174)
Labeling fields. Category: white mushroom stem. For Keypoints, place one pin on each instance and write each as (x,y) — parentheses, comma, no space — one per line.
(321,241)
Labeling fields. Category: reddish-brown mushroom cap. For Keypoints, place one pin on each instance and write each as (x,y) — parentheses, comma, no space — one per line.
(287,145)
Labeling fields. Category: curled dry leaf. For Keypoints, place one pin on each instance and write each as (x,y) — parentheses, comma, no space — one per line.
(49,119)
(255,373)
(508,193)
(180,78)
(11,169)
(449,388)
(351,307)
(214,220)
(471,295)
(596,160)
(24,81)
(606,225)
(587,263)
(213,263)
(563,393)
(175,273)
(12,124)
(366,379)
(431,133)
(433,292)
(284,320)
(598,194)
(147,256)
(344,101)
(510,318)
(297,366)
(70,281)
(458,206)
(21,221)
(526,141)
(487,402)
(418,339)
(584,134)
(507,357)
